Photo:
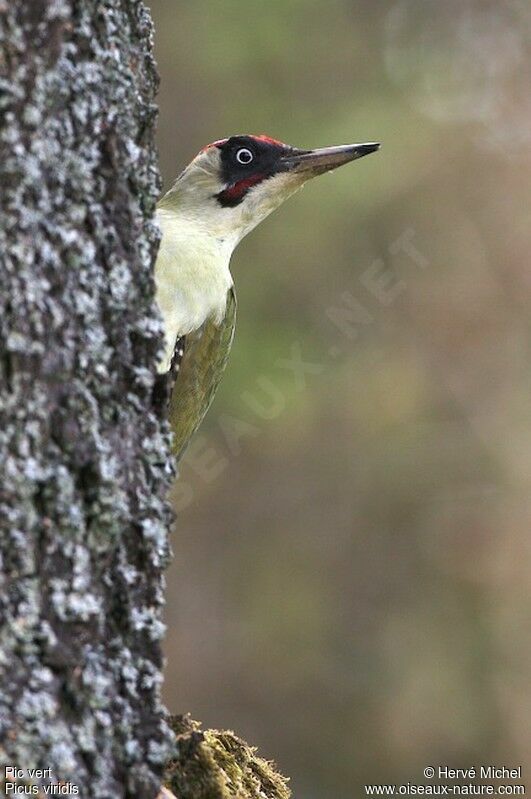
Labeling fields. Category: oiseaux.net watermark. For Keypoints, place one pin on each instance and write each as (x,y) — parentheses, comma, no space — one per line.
(377,287)
(443,780)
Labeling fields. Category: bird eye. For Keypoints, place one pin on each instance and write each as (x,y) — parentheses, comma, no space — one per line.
(244,156)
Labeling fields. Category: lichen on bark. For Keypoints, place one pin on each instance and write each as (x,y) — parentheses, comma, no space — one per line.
(83,454)
(215,764)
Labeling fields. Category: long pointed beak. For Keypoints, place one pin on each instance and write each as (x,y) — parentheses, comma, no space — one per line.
(315,162)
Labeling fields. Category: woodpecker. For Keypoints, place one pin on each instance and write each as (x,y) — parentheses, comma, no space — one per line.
(225,192)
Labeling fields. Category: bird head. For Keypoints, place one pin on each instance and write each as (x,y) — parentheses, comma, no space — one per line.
(233,184)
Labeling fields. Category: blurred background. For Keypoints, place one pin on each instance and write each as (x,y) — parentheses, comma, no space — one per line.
(351,582)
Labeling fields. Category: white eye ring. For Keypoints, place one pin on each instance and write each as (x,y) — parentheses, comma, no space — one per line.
(244,156)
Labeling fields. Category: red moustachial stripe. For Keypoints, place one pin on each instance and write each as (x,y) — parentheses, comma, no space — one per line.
(242,186)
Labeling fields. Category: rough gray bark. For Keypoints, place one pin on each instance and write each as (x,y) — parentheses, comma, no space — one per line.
(83,456)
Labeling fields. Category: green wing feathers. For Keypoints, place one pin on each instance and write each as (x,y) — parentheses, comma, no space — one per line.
(206,351)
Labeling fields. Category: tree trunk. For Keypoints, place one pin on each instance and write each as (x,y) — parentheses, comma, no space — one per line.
(83,454)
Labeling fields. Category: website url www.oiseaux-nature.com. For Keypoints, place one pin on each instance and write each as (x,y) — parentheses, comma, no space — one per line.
(410,789)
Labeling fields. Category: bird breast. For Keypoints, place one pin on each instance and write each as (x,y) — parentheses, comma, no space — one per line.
(192,278)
